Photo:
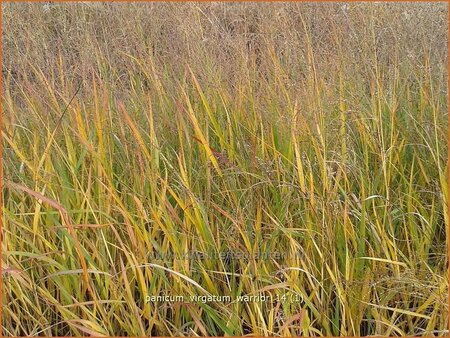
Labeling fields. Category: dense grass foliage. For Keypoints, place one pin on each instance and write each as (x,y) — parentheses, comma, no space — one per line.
(293,151)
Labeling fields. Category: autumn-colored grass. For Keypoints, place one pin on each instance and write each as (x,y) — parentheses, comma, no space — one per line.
(296,151)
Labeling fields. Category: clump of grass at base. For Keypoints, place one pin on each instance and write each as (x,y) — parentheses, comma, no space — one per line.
(296,151)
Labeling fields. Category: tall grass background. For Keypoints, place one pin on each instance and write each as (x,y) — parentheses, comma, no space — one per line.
(133,134)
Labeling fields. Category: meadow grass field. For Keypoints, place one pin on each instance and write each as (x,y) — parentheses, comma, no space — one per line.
(163,163)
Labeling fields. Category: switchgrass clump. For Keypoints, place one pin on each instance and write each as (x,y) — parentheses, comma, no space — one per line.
(212,153)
